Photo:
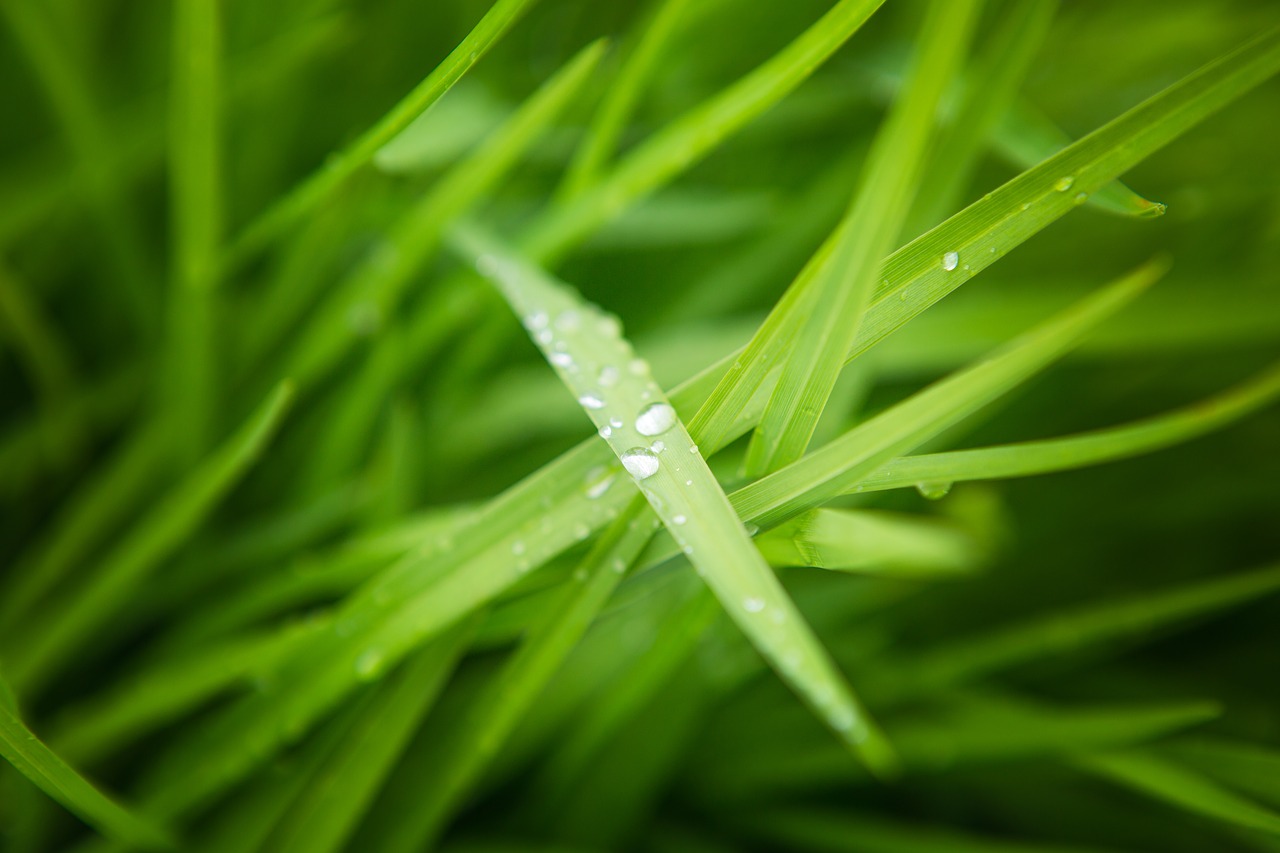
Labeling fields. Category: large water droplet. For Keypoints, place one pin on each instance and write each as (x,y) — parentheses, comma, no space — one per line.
(1064,183)
(640,462)
(950,260)
(933,490)
(655,419)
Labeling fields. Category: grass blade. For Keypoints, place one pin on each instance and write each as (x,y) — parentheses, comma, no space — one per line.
(56,778)
(822,329)
(1251,768)
(630,412)
(343,164)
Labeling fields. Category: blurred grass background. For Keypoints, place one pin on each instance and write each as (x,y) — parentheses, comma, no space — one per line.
(416,409)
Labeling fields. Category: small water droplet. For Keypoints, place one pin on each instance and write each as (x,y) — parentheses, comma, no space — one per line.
(655,419)
(688,482)
(568,321)
(619,566)
(609,326)
(752,604)
(599,487)
(640,462)
(608,376)
(561,359)
(535,321)
(605,431)
(581,531)
(658,446)
(950,260)
(1081,198)
(590,401)
(678,519)
(693,448)
(543,336)
(638,367)
(369,664)
(1064,183)
(616,423)
(517,547)
(933,490)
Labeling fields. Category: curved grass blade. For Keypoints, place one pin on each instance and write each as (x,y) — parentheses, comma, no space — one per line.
(1105,445)
(874,543)
(611,118)
(1181,788)
(643,430)
(44,354)
(1248,767)
(341,165)
(820,331)
(56,778)
(1081,628)
(48,644)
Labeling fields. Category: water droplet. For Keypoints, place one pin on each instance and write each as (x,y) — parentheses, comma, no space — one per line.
(619,566)
(640,462)
(933,490)
(598,488)
(608,376)
(751,529)
(561,359)
(658,446)
(605,431)
(638,367)
(655,419)
(543,336)
(590,401)
(777,616)
(517,547)
(1064,183)
(535,321)
(678,519)
(616,423)
(752,604)
(688,482)
(369,664)
(568,321)
(950,260)
(1081,198)
(693,448)
(581,531)
(609,326)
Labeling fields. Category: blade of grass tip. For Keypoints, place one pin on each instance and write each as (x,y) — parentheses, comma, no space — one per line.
(196,213)
(323,817)
(68,90)
(874,543)
(1025,137)
(837,298)
(1080,628)
(21,748)
(989,88)
(47,645)
(1180,787)
(1104,445)
(641,427)
(374,289)
(620,100)
(689,138)
(340,165)
(508,695)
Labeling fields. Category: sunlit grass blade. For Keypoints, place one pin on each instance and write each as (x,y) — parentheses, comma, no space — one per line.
(507,697)
(997,70)
(47,643)
(875,543)
(821,330)
(611,117)
(341,165)
(690,137)
(643,430)
(1180,787)
(1082,628)
(1040,457)
(1248,767)
(340,791)
(56,778)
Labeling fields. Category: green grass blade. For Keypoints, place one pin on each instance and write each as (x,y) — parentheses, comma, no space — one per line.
(1082,628)
(836,299)
(56,778)
(875,543)
(342,164)
(46,646)
(640,426)
(1181,788)
(44,354)
(1248,767)
(1039,457)
(692,136)
(195,177)
(611,118)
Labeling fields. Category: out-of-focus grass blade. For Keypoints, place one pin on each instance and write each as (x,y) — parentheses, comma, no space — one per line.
(1181,788)
(342,164)
(1082,628)
(49,641)
(1104,445)
(1026,137)
(995,74)
(611,117)
(876,543)
(693,135)
(644,431)
(1248,767)
(56,778)
(340,791)
(43,354)
(508,695)
(374,289)
(820,331)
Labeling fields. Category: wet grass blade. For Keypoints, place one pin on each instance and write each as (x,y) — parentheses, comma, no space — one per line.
(47,645)
(56,778)
(342,164)
(835,300)
(644,432)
